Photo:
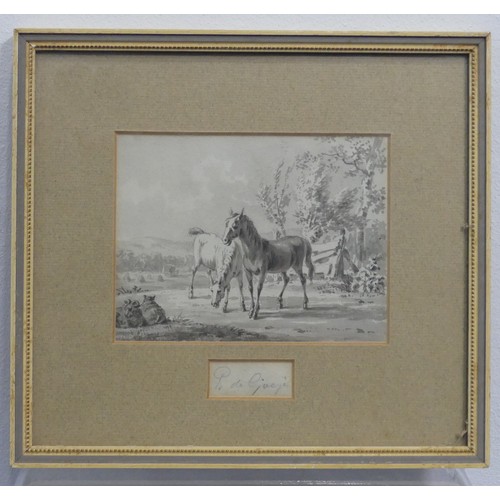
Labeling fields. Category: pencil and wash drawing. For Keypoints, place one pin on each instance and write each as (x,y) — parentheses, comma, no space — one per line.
(251,237)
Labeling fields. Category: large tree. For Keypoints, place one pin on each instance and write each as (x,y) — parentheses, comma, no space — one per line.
(362,157)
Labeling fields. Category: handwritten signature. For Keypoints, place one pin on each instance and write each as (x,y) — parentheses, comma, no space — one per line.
(255,383)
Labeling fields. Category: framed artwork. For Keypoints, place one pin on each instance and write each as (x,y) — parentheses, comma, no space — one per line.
(250,250)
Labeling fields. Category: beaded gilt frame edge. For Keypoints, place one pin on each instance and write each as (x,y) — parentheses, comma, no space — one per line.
(469,450)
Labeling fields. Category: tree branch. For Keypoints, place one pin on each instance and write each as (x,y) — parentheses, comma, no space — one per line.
(352,163)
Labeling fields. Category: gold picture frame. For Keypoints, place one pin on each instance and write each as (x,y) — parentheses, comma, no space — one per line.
(100,63)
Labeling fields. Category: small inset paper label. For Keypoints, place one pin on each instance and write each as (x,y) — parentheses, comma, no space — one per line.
(250,379)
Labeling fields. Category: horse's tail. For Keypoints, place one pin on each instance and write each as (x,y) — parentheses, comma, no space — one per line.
(193,231)
(308,259)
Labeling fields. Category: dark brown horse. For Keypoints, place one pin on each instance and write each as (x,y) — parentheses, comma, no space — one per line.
(262,256)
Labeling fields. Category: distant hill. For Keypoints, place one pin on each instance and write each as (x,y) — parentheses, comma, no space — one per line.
(151,245)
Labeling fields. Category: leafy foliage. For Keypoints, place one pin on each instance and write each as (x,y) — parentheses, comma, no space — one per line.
(369,280)
(375,237)
(376,199)
(366,282)
(362,156)
(275,198)
(317,213)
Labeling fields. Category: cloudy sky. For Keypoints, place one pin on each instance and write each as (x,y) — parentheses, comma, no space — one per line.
(169,183)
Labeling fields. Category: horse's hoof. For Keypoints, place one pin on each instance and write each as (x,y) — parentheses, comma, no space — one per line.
(280,304)
(224,309)
(305,306)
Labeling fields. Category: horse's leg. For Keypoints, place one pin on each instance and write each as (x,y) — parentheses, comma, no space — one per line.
(286,279)
(250,289)
(195,267)
(209,272)
(226,298)
(303,282)
(262,278)
(240,285)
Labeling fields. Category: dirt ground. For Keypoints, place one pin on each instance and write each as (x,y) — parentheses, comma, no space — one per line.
(331,317)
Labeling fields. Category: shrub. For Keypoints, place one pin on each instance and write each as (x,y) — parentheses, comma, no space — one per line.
(366,281)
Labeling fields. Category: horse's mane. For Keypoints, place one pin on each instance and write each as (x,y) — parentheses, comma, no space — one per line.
(252,234)
(227,258)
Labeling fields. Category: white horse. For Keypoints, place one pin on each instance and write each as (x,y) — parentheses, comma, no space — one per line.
(225,260)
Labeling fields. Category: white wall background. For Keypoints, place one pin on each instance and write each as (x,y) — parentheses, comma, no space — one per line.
(476,23)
